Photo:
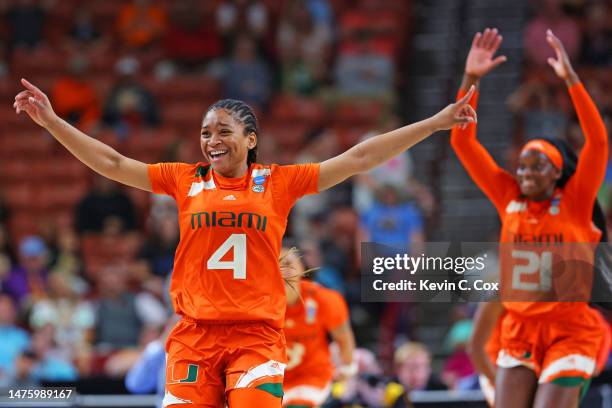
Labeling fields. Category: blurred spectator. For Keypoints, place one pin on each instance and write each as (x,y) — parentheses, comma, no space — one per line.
(141,23)
(42,362)
(321,12)
(397,172)
(304,47)
(84,34)
(367,388)
(129,103)
(71,318)
(458,372)
(25,21)
(246,76)
(539,107)
(236,18)
(413,368)
(597,41)
(6,251)
(26,282)
(326,274)
(124,319)
(191,40)
(74,96)
(322,145)
(13,340)
(105,208)
(50,364)
(394,222)
(21,375)
(365,71)
(157,253)
(550,15)
(148,374)
(66,260)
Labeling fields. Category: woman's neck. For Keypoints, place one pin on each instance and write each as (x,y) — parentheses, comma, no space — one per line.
(546,195)
(239,172)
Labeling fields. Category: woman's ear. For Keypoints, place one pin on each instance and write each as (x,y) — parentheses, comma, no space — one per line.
(252,140)
(558,173)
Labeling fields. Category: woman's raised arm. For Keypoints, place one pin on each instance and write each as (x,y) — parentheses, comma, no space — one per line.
(377,150)
(96,155)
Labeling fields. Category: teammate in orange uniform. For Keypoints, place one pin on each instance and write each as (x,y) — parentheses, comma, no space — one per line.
(313,312)
(548,350)
(227,285)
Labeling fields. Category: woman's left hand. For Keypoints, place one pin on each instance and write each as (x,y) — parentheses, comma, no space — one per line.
(561,64)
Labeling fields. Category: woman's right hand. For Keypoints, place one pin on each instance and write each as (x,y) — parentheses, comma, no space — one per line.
(35,103)
(480,59)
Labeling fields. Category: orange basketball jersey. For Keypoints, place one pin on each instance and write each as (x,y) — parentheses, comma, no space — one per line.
(531,230)
(226,265)
(307,324)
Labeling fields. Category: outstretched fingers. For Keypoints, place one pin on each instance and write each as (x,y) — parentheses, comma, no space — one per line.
(31,87)
(477,40)
(556,43)
(490,38)
(466,98)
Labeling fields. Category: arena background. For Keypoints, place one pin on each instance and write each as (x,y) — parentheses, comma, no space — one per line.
(322,75)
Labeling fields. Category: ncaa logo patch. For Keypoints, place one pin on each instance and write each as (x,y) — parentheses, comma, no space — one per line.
(258,188)
(259,180)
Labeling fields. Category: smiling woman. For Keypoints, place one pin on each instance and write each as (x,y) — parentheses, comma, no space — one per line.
(226,283)
(229,137)
(544,358)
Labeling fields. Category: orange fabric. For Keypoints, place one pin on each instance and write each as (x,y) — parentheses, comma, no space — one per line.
(565,218)
(252,398)
(540,342)
(547,149)
(606,348)
(226,265)
(140,25)
(307,324)
(223,355)
(70,96)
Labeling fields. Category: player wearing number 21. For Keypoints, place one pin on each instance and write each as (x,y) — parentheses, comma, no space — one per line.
(229,346)
(548,350)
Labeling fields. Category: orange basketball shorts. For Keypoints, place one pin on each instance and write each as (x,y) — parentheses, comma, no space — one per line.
(565,350)
(206,361)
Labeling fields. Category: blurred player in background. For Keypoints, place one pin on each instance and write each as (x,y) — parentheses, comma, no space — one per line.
(226,284)
(548,350)
(313,313)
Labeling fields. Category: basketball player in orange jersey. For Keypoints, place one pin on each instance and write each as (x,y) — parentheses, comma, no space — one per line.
(229,346)
(548,350)
(313,312)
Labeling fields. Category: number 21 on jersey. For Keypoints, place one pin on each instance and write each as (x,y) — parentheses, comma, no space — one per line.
(535,271)
(238,264)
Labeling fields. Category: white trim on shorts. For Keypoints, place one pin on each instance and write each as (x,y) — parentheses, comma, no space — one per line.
(506,360)
(571,362)
(270,368)
(314,395)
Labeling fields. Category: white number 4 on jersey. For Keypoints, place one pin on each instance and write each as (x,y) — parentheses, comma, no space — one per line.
(238,265)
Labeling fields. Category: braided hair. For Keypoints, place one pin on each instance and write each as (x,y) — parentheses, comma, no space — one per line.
(570,162)
(244,114)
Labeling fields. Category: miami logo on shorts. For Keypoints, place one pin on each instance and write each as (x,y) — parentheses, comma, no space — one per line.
(185,374)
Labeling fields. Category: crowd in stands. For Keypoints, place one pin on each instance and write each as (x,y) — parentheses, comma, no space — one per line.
(540,105)
(84,262)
